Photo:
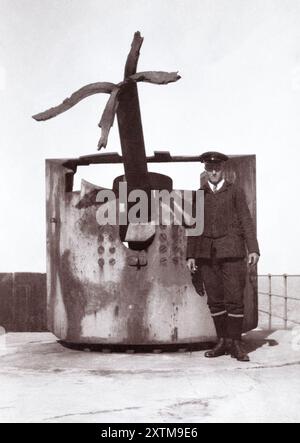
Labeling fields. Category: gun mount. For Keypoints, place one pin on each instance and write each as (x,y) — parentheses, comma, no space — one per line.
(99,291)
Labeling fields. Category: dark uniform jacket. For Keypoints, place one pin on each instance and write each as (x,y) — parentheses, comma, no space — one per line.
(228,225)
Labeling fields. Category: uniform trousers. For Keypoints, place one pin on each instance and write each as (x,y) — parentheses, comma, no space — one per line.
(224,281)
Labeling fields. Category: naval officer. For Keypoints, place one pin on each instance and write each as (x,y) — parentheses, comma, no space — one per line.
(220,255)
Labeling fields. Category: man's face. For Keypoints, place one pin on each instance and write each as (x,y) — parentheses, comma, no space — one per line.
(214,172)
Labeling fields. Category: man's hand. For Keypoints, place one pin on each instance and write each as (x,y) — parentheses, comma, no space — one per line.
(253,259)
(191,264)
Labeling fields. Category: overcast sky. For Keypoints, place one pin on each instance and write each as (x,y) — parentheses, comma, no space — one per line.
(239,94)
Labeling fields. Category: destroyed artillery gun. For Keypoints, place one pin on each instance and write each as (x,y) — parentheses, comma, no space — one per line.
(101,292)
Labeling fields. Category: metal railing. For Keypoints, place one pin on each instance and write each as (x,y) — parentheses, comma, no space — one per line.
(285,297)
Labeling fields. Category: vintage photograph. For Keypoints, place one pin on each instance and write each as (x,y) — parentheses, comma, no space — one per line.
(149,259)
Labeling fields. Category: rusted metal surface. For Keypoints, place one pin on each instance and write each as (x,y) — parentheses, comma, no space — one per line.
(99,291)
(23,302)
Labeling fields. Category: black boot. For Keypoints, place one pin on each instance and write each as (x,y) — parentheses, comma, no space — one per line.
(235,330)
(219,350)
(221,347)
(238,351)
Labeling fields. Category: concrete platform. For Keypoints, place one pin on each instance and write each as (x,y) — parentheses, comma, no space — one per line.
(41,381)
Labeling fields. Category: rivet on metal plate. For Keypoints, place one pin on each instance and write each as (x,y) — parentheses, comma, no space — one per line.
(101,262)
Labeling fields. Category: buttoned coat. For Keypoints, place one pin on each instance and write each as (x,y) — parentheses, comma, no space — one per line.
(228,225)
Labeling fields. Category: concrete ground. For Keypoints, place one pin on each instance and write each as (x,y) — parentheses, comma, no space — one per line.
(41,381)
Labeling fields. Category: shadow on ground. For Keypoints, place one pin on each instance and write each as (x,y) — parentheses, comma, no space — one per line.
(257,339)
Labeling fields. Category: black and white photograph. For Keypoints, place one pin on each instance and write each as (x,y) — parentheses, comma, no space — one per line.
(150,218)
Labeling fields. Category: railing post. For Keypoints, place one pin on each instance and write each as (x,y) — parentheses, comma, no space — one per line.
(285,276)
(270,301)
